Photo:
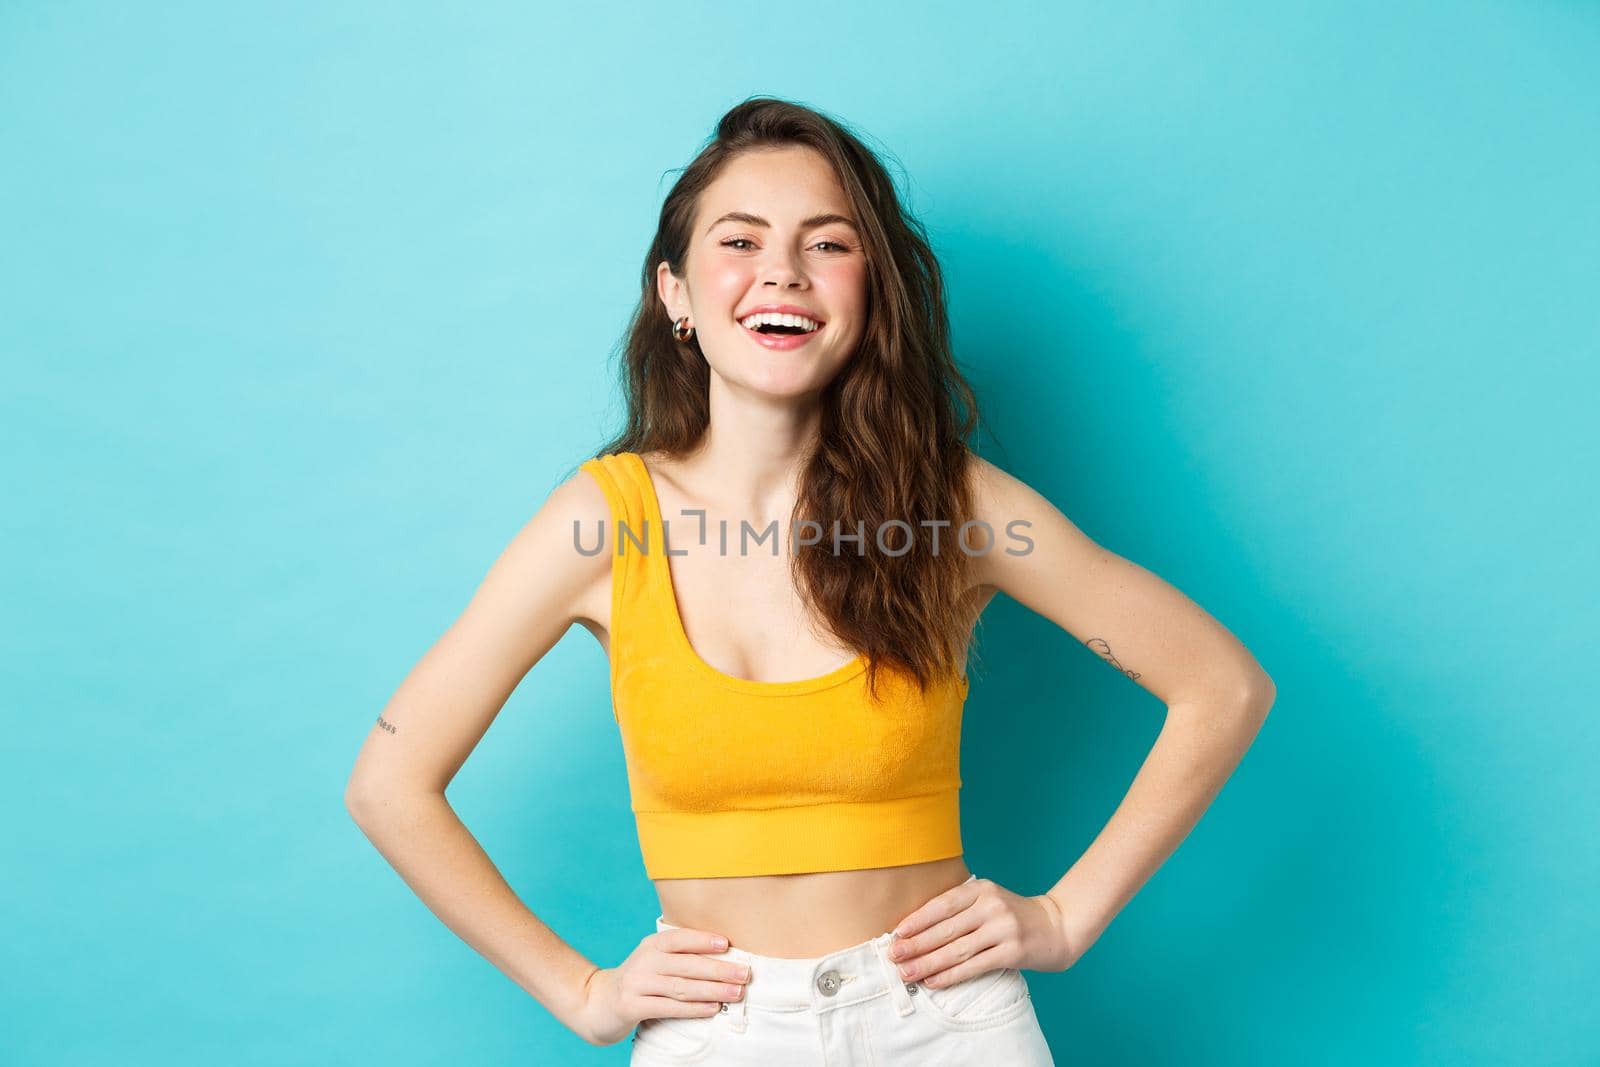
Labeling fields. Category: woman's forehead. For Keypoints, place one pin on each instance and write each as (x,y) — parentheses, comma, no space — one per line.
(780,186)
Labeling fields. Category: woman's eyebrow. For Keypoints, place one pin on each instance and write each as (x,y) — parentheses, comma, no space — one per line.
(825,219)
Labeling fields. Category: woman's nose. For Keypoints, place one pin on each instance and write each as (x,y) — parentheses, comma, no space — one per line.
(781,269)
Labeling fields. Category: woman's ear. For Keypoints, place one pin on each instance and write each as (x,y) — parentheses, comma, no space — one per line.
(673,293)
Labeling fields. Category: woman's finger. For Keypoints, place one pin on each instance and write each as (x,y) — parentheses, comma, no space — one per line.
(668,1008)
(909,949)
(959,949)
(678,988)
(683,939)
(941,907)
(691,965)
(982,963)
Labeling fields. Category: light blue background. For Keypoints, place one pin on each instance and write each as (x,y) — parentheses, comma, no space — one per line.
(305,308)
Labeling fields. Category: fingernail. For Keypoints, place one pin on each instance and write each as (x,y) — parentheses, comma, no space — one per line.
(721,943)
(905,972)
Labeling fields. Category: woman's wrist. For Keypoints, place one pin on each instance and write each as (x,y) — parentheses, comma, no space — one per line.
(1076,928)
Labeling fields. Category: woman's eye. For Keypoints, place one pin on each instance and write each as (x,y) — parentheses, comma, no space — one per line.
(741,244)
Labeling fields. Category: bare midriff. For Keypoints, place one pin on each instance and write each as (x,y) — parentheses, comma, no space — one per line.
(799,916)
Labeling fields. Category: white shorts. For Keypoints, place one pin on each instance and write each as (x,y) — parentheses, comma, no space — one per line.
(851,1008)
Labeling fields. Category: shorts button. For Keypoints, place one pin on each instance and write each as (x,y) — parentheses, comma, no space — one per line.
(828,983)
(911,987)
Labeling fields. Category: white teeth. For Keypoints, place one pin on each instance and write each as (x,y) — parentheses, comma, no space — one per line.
(769,318)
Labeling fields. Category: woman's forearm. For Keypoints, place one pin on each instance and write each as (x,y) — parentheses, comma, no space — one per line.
(437,856)
(1197,750)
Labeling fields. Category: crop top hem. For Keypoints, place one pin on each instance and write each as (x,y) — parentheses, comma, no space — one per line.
(839,836)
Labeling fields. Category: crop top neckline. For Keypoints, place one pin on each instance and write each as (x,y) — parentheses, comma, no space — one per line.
(660,571)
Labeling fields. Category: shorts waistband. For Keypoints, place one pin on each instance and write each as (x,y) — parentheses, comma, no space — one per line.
(819,983)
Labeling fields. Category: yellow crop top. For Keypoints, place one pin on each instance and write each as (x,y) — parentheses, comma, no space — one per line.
(730,776)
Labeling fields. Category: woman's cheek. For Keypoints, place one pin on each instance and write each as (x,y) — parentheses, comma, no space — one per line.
(727,284)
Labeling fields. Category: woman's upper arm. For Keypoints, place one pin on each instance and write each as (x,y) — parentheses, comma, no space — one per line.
(1128,616)
(528,599)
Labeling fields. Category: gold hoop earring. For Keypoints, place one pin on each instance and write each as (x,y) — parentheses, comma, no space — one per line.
(682,330)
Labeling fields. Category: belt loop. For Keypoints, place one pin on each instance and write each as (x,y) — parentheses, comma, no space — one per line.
(897,984)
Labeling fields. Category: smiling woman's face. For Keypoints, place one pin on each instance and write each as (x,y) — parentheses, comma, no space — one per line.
(773,229)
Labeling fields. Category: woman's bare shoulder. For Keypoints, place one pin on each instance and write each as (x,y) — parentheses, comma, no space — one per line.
(990,485)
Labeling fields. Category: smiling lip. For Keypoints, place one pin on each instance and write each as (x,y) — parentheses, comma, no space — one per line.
(780,309)
(780,342)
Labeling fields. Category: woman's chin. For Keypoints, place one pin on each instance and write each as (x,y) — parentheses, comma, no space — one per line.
(778,382)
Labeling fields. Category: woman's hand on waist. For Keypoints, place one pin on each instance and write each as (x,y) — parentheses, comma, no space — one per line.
(981,926)
(670,975)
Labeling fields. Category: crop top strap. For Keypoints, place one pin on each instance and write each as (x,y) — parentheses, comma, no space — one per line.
(633,539)
(628,526)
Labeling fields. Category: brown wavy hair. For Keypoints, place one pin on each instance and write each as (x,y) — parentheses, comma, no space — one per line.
(894,421)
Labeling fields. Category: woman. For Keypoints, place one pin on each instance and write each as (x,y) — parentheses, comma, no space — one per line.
(791,718)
